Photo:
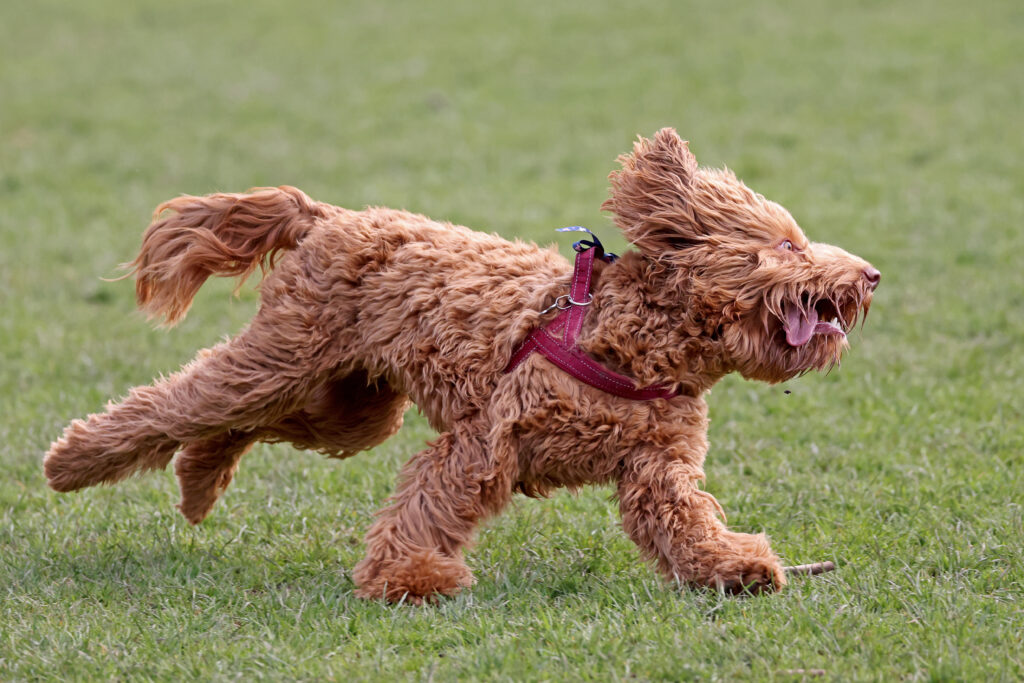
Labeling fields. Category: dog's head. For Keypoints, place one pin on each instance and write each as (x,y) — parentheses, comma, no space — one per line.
(775,303)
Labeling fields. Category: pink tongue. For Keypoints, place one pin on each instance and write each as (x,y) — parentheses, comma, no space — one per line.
(799,329)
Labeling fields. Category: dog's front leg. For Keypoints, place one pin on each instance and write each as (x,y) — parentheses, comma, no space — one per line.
(677,525)
(414,549)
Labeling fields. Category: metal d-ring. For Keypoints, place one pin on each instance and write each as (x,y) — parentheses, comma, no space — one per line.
(561,303)
(565,302)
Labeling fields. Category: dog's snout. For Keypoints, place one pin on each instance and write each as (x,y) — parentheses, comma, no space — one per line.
(873,276)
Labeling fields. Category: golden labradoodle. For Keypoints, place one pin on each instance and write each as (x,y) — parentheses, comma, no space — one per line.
(365,311)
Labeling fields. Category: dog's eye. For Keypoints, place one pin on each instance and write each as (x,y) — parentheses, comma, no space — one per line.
(787,246)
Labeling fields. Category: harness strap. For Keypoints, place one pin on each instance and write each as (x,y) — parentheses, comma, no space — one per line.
(557,341)
(579,295)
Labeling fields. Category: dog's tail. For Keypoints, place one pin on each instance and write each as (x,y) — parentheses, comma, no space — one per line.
(227,235)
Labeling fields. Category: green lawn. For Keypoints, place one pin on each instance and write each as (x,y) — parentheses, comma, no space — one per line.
(891,128)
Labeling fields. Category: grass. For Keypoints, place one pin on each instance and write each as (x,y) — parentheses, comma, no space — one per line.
(890,128)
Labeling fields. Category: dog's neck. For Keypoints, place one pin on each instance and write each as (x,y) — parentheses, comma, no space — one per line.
(643,324)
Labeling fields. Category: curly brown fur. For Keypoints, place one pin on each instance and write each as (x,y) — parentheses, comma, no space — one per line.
(366,311)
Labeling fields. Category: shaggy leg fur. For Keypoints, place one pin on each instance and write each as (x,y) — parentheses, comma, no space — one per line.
(235,385)
(414,549)
(677,525)
(109,447)
(205,469)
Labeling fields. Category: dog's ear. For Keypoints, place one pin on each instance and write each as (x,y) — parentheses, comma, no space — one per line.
(649,195)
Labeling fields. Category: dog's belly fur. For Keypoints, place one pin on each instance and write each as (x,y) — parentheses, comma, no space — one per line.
(342,417)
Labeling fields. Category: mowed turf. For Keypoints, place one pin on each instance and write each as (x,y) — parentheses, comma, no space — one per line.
(889,128)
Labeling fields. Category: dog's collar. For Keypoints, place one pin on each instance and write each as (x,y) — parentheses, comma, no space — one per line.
(557,340)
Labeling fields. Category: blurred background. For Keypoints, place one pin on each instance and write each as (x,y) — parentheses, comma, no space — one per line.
(891,128)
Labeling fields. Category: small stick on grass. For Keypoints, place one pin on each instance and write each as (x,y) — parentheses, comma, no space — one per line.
(810,569)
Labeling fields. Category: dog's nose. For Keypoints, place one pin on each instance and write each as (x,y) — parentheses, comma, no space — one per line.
(873,276)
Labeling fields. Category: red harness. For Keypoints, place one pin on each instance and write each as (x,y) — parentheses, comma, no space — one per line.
(556,341)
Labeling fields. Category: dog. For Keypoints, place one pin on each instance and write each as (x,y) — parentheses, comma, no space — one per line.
(363,312)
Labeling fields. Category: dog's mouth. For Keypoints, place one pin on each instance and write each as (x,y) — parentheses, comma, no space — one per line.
(805,320)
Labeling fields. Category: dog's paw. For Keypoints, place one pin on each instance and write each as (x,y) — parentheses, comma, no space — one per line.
(744,564)
(758,577)
(417,578)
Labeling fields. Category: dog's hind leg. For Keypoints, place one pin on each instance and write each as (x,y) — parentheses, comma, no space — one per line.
(414,549)
(250,381)
(205,469)
(107,447)
(340,418)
